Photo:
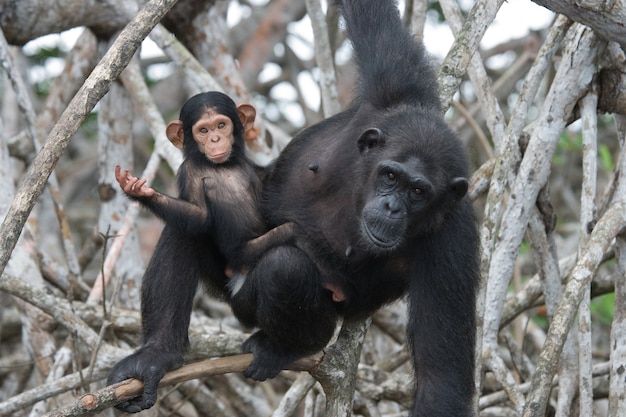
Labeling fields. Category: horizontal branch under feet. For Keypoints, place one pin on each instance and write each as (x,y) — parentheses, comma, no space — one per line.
(112,395)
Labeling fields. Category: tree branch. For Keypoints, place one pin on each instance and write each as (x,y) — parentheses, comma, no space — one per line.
(605,17)
(94,88)
(111,395)
(465,45)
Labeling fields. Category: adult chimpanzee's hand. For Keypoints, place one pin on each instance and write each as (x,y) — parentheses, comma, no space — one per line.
(148,364)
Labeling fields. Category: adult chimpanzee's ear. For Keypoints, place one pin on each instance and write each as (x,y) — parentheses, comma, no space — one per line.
(371,138)
(459,186)
(247,113)
(175,133)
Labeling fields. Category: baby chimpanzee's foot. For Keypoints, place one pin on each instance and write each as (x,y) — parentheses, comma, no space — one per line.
(268,360)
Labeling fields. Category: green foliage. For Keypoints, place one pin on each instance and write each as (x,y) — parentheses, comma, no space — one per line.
(541,320)
(567,144)
(524,247)
(40,59)
(570,143)
(89,128)
(606,158)
(42,88)
(44,53)
(602,308)
(435,8)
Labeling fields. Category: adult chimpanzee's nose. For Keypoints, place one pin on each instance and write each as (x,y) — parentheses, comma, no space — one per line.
(393,205)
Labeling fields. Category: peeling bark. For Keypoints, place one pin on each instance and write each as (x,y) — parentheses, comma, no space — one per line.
(605,16)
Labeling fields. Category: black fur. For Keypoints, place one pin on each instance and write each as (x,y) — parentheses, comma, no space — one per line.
(350,185)
(215,221)
(378,194)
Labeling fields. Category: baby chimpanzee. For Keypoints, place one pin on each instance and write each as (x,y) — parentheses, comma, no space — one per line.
(214,225)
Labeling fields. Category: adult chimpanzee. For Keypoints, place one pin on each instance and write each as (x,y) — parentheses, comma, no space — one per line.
(379,191)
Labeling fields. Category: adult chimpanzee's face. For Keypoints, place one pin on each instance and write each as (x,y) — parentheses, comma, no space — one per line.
(213,132)
(399,190)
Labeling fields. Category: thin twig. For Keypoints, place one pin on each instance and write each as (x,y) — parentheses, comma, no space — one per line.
(589,119)
(324,57)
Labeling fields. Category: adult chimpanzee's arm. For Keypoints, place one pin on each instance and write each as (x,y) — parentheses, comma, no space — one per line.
(393,66)
(168,287)
(442,325)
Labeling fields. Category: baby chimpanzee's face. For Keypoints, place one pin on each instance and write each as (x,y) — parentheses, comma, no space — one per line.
(213,132)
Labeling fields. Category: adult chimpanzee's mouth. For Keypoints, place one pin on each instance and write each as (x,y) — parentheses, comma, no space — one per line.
(383,242)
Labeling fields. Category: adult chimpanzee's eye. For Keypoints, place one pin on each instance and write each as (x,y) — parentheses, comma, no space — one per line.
(389,179)
(418,191)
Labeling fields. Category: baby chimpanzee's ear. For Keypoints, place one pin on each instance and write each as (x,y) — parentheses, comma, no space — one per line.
(247,113)
(175,133)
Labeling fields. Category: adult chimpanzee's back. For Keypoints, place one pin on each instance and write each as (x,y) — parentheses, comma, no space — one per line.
(379,191)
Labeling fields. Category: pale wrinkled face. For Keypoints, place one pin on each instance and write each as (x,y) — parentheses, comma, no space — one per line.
(213,132)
